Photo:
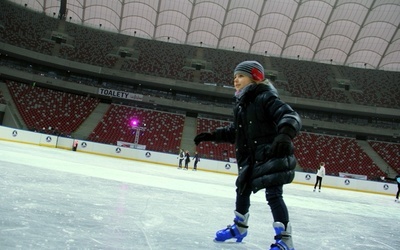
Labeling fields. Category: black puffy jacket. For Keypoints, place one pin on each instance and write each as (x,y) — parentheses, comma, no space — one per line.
(258,115)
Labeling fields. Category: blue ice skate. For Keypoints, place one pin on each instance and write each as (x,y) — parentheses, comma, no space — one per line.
(238,230)
(283,239)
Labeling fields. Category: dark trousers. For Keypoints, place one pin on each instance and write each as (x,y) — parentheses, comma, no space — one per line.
(275,201)
(398,191)
(318,181)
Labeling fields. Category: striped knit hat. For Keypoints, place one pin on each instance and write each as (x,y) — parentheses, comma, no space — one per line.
(252,69)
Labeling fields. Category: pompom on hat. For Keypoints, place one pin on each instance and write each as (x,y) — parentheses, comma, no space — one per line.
(252,69)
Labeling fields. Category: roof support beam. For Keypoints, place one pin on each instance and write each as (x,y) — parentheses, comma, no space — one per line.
(290,28)
(121,17)
(387,47)
(156,21)
(223,23)
(190,22)
(358,33)
(323,32)
(257,25)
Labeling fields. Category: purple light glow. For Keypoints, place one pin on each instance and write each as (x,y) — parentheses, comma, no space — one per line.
(134,123)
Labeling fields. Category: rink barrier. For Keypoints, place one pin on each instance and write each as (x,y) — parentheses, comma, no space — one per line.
(40,139)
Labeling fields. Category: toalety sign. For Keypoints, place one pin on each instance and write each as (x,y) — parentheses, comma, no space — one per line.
(120,94)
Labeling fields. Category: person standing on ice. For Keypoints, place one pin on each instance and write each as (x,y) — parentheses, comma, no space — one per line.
(181,157)
(320,176)
(187,160)
(196,159)
(396,179)
(262,131)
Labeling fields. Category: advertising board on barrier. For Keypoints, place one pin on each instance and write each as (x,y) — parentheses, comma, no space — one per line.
(130,145)
(353,176)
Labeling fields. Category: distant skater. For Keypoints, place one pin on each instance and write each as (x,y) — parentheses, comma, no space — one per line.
(396,179)
(181,156)
(187,160)
(196,159)
(320,176)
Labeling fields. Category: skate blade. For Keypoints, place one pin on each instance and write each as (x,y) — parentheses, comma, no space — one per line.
(229,242)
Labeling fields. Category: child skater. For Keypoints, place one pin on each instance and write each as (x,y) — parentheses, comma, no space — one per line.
(262,131)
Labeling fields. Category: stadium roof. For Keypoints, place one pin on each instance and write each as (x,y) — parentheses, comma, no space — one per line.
(359,33)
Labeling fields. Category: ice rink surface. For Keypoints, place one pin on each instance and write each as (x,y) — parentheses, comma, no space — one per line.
(59,199)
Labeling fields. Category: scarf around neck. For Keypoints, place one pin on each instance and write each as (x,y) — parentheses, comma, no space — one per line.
(239,94)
